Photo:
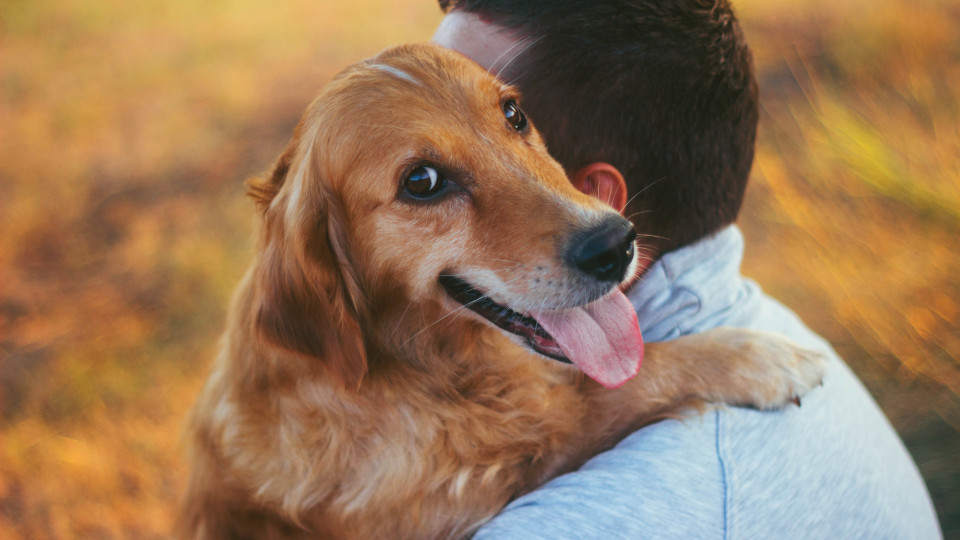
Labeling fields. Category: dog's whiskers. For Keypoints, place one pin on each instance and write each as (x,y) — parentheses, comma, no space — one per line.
(514,80)
(482,272)
(651,184)
(399,321)
(635,195)
(507,51)
(507,261)
(474,273)
(646,187)
(647,235)
(462,307)
(635,214)
(467,305)
(540,311)
(531,44)
(513,264)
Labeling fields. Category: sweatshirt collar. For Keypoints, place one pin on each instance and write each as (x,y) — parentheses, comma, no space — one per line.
(692,288)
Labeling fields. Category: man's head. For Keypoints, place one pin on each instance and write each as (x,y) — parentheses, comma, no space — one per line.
(656,95)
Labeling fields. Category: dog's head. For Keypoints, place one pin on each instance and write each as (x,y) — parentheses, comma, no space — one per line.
(414,193)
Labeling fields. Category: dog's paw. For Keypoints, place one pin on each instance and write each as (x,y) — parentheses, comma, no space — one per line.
(800,371)
(735,366)
(782,371)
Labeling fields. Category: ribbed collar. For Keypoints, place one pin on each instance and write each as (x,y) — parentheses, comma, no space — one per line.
(693,288)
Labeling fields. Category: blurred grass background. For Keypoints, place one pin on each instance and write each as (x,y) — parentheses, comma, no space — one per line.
(127,128)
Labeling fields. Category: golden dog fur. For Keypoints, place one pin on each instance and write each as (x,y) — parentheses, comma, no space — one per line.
(352,397)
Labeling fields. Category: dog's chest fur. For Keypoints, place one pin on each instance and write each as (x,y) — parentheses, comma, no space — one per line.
(461,438)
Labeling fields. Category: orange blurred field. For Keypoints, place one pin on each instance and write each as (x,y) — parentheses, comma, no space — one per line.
(127,129)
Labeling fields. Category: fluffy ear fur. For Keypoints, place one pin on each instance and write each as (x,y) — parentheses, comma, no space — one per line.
(263,191)
(306,297)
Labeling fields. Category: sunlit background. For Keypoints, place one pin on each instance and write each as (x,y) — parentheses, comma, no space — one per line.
(127,129)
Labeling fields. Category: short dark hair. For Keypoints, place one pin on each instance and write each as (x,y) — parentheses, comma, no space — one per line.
(662,89)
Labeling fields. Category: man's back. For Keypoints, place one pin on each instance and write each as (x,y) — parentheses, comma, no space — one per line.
(833,468)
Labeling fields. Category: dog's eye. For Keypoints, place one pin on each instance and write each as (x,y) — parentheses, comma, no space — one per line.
(424,182)
(514,115)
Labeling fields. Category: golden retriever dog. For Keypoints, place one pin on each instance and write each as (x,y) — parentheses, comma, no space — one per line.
(433,323)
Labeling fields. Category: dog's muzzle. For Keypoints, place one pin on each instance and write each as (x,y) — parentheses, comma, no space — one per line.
(603,252)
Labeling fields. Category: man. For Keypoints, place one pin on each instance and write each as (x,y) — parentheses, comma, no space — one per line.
(651,105)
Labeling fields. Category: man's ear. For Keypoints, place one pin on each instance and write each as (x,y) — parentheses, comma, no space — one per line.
(604,182)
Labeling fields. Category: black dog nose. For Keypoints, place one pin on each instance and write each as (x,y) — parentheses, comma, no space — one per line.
(604,251)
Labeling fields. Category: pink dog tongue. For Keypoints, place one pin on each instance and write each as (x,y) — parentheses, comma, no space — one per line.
(602,338)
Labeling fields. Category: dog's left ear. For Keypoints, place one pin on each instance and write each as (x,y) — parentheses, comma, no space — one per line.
(604,182)
(308,300)
(264,190)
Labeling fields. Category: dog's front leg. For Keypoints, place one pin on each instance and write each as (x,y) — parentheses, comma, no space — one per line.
(723,365)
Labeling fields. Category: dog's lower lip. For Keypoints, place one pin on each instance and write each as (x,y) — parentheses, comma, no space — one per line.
(503,317)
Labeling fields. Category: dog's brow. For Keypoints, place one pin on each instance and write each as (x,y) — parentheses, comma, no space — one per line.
(396,72)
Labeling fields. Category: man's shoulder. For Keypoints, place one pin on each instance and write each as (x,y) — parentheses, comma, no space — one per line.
(832,467)
(620,493)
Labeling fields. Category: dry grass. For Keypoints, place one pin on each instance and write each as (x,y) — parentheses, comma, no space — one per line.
(126,130)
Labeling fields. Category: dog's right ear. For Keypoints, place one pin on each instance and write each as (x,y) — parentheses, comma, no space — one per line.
(303,302)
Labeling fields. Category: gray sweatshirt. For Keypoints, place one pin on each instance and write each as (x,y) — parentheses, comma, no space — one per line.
(833,468)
